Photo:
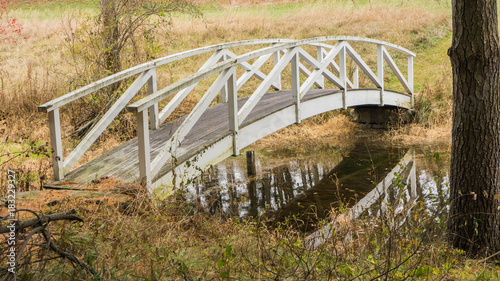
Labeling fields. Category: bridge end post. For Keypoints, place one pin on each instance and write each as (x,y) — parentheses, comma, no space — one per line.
(380,71)
(56,143)
(233,110)
(144,148)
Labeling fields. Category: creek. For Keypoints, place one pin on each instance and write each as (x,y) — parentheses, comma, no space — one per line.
(309,185)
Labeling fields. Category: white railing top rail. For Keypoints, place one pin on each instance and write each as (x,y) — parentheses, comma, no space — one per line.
(162,94)
(95,86)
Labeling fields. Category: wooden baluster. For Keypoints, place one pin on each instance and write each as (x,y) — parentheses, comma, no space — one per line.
(153,110)
(233,110)
(343,75)
(144,148)
(355,77)
(224,90)
(296,87)
(276,59)
(410,78)
(321,80)
(380,71)
(56,143)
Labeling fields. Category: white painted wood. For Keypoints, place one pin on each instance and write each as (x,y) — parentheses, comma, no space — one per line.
(315,77)
(161,94)
(319,57)
(56,103)
(336,67)
(182,94)
(307,73)
(56,143)
(343,74)
(396,71)
(276,59)
(322,69)
(233,110)
(264,86)
(105,120)
(184,172)
(380,71)
(296,87)
(201,106)
(253,70)
(153,110)
(223,91)
(169,148)
(269,124)
(355,77)
(361,63)
(144,148)
(79,93)
(410,78)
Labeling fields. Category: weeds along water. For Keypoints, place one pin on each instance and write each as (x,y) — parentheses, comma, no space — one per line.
(176,239)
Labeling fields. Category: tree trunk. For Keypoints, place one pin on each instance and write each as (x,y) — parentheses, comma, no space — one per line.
(110,35)
(474,222)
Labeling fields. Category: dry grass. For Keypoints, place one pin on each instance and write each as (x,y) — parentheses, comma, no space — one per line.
(312,134)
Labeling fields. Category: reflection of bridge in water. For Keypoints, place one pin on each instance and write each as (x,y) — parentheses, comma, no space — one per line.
(307,188)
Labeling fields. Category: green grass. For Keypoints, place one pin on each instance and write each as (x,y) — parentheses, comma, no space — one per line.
(53,9)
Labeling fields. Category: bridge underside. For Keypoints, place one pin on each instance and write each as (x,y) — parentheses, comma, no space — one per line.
(210,141)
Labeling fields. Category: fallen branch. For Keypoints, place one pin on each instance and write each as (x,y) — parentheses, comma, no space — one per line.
(43,220)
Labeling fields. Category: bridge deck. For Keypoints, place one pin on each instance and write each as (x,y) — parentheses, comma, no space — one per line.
(122,162)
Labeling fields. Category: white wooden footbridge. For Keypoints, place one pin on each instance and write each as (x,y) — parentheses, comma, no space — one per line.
(324,76)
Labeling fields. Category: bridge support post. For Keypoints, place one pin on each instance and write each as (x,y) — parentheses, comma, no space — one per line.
(380,71)
(233,110)
(296,87)
(153,110)
(56,143)
(144,148)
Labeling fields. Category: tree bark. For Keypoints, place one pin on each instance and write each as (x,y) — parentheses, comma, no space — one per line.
(111,35)
(474,222)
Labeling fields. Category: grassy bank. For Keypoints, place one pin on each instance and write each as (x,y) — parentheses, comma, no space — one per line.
(131,239)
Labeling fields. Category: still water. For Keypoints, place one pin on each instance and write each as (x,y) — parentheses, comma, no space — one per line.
(309,185)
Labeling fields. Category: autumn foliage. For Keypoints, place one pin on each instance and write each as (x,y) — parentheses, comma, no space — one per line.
(10,29)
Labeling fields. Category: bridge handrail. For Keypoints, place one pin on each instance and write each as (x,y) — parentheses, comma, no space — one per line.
(160,95)
(225,83)
(95,86)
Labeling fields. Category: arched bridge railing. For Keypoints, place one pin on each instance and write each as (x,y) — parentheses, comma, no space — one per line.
(314,69)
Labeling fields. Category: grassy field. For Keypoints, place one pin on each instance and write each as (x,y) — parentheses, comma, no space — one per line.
(175,245)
